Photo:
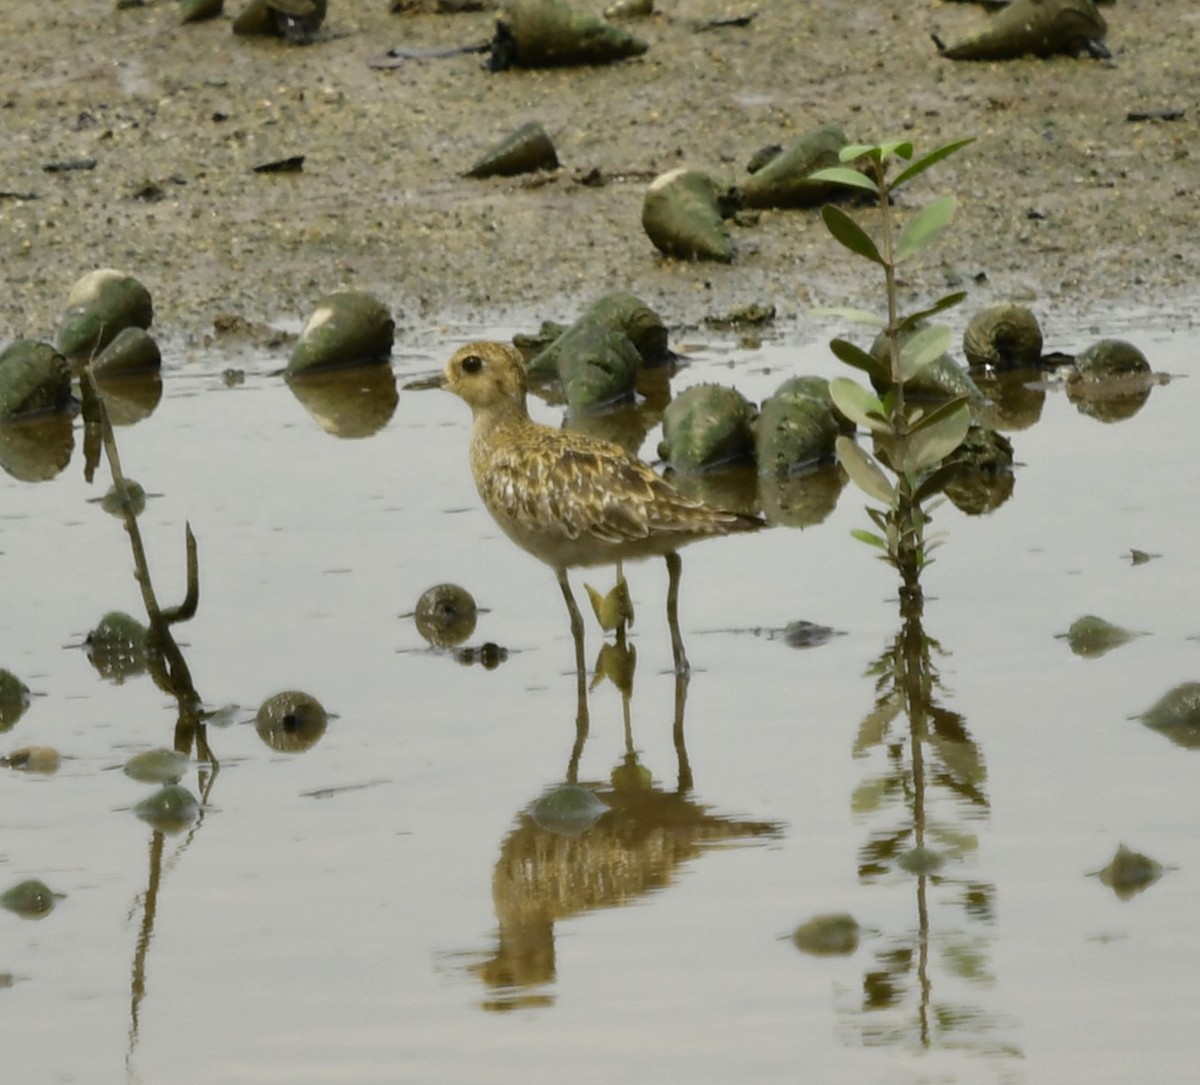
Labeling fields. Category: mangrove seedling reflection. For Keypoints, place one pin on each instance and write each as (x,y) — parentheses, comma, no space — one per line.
(929,785)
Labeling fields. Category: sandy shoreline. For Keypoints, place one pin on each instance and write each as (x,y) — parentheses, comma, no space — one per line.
(1066,204)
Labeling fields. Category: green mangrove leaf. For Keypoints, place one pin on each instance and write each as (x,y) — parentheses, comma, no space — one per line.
(939,306)
(931,159)
(921,348)
(858,404)
(842,175)
(921,417)
(897,148)
(848,312)
(850,234)
(868,537)
(858,358)
(859,150)
(864,472)
(933,442)
(925,227)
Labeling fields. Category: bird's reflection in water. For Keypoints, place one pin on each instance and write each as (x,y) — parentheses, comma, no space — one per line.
(583,846)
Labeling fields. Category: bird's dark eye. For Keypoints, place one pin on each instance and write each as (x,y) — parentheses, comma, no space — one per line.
(472,363)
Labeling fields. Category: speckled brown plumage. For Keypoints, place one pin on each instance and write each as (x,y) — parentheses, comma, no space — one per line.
(570,499)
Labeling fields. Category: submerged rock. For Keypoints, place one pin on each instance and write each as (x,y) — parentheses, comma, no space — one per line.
(943,378)
(1129,872)
(1177,715)
(980,477)
(618,312)
(131,352)
(827,935)
(446,615)
(707,426)
(568,810)
(797,428)
(158,766)
(1092,637)
(291,722)
(1006,336)
(13,699)
(118,646)
(1111,358)
(1111,381)
(171,808)
(31,899)
(34,379)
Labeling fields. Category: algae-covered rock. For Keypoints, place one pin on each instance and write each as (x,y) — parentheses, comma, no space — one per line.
(34,378)
(31,899)
(118,646)
(37,448)
(599,369)
(1177,715)
(172,808)
(350,403)
(131,352)
(446,615)
(568,810)
(1111,381)
(827,935)
(347,328)
(620,312)
(291,722)
(1035,28)
(99,305)
(296,21)
(943,378)
(157,766)
(783,179)
(14,699)
(683,214)
(1129,872)
(797,428)
(1005,336)
(524,150)
(1091,637)
(550,33)
(195,11)
(707,426)
(981,475)
(1111,358)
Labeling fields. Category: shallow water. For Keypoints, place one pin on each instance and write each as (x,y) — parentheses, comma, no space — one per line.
(364,910)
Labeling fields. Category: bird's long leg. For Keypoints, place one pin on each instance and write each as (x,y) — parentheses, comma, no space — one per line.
(674,571)
(576,635)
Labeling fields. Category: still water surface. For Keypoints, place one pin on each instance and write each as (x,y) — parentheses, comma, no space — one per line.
(383,908)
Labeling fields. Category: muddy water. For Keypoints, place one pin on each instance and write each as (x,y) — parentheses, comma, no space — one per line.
(362,911)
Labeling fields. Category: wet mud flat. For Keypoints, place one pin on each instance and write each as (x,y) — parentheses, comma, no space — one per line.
(132,141)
